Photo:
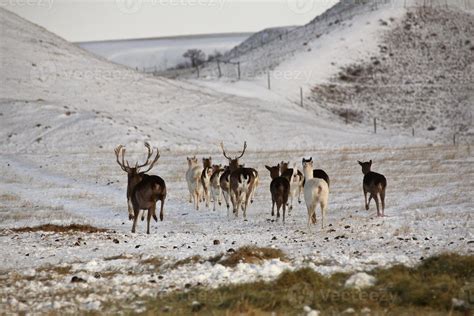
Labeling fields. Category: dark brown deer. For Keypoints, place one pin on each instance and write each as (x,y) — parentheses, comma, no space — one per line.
(279,189)
(143,190)
(206,179)
(242,182)
(374,183)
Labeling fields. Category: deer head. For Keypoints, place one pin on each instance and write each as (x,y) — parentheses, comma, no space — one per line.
(365,166)
(207,162)
(135,174)
(192,161)
(274,171)
(233,162)
(307,166)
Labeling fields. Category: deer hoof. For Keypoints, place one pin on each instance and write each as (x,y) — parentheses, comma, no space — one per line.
(130,217)
(291,207)
(143,218)
(155,218)
(367,207)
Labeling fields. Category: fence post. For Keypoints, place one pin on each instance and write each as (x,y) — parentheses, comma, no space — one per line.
(238,69)
(413,131)
(268,80)
(219,68)
(301,96)
(197,68)
(454,139)
(375,125)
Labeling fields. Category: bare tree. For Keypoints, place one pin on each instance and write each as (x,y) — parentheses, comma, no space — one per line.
(196,56)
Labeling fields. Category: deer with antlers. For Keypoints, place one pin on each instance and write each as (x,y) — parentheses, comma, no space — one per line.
(143,190)
(242,182)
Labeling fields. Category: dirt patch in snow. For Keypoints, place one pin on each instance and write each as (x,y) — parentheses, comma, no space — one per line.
(60,229)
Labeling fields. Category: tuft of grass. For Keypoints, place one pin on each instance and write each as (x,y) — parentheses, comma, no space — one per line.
(60,229)
(252,254)
(427,289)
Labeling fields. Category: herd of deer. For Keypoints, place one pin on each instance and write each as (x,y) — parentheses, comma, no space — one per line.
(238,184)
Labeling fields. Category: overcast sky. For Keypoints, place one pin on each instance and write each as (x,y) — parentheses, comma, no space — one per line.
(88,20)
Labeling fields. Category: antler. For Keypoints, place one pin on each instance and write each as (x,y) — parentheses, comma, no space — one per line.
(223,151)
(150,152)
(243,152)
(153,162)
(117,150)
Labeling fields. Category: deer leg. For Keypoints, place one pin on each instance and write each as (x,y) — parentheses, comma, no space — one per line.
(291,202)
(161,209)
(382,199)
(130,209)
(299,194)
(143,215)
(151,212)
(246,204)
(284,211)
(135,218)
(273,207)
(323,213)
(365,199)
(376,199)
(278,211)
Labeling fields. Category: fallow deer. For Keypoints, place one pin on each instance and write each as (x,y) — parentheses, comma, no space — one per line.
(193,178)
(374,183)
(296,181)
(316,191)
(242,182)
(143,190)
(215,185)
(279,189)
(206,179)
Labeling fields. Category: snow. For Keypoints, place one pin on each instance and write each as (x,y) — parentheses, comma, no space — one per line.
(64,110)
(161,53)
(360,280)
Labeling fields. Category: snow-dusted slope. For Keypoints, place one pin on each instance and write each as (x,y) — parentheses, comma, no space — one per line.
(71,100)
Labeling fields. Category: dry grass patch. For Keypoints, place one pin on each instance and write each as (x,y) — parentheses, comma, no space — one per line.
(427,289)
(60,229)
(252,254)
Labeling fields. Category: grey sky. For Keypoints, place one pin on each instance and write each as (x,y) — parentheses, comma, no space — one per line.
(87,20)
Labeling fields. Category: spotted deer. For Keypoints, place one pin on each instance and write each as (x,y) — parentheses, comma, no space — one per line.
(242,183)
(143,190)
(316,191)
(375,184)
(206,179)
(279,189)
(296,181)
(193,179)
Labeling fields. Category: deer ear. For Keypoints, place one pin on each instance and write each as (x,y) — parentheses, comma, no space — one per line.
(268,168)
(370,162)
(360,163)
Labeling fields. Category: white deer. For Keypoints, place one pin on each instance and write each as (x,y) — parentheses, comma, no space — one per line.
(193,178)
(316,191)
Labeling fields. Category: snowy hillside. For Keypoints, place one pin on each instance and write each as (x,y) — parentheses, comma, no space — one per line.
(65,93)
(352,33)
(422,77)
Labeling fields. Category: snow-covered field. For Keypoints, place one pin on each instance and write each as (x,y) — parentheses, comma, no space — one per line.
(62,111)
(160,53)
